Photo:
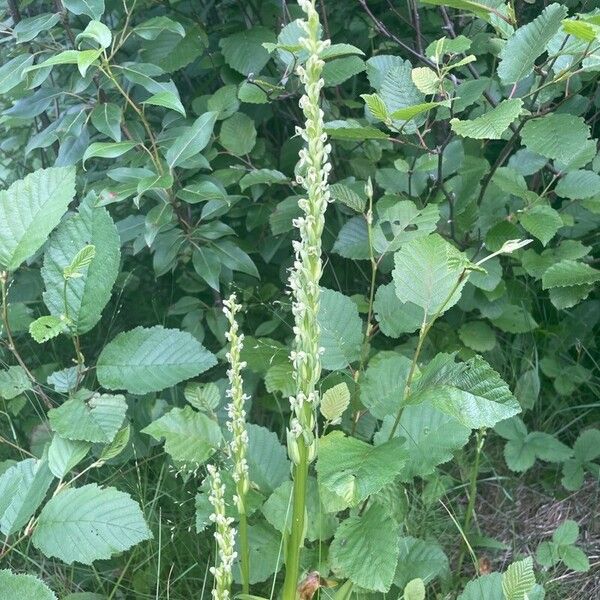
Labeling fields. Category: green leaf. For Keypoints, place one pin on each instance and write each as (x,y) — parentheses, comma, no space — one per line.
(559,136)
(207,264)
(376,106)
(29,210)
(471,392)
(394,317)
(262,176)
(152,28)
(106,118)
(574,558)
(478,336)
(191,437)
(107,150)
(13,381)
(24,587)
(205,397)
(518,580)
(515,319)
(371,534)
(541,221)
(578,185)
(96,420)
(268,464)
(35,479)
(63,455)
(490,125)
(419,558)
(410,112)
(335,72)
(233,257)
(518,56)
(80,261)
(166,99)
(426,80)
(382,388)
(10,480)
(117,446)
(46,328)
(96,31)
(89,523)
(87,295)
(11,72)
(349,470)
(348,196)
(479,9)
(151,359)
(29,28)
(439,286)
(244,51)
(192,141)
(568,273)
(353,239)
(351,130)
(238,134)
(486,587)
(398,91)
(414,590)
(334,402)
(92,8)
(566,533)
(341,330)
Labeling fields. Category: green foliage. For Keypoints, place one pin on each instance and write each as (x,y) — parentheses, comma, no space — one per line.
(23,587)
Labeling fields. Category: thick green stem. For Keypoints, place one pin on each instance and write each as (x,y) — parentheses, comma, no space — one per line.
(244,549)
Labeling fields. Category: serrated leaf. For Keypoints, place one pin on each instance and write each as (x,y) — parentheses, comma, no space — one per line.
(268,464)
(334,402)
(151,359)
(238,134)
(518,56)
(341,330)
(35,480)
(353,239)
(541,221)
(353,131)
(394,317)
(566,533)
(192,141)
(96,420)
(419,558)
(80,261)
(414,590)
(486,587)
(376,106)
(24,587)
(64,454)
(205,397)
(244,51)
(29,210)
(191,437)
(569,273)
(355,539)
(86,295)
(350,470)
(578,185)
(479,9)
(492,124)
(336,71)
(152,28)
(46,328)
(117,446)
(89,523)
(439,285)
(477,335)
(426,80)
(13,382)
(574,558)
(518,580)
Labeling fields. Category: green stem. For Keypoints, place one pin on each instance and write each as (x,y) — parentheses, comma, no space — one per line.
(296,539)
(244,545)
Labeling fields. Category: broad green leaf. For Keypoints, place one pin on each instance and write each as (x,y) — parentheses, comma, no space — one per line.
(238,134)
(527,43)
(279,378)
(29,28)
(117,446)
(92,8)
(492,124)
(559,136)
(244,51)
(151,359)
(24,587)
(11,72)
(394,317)
(233,257)
(569,273)
(353,131)
(515,319)
(353,239)
(35,480)
(486,587)
(334,402)
(348,196)
(204,397)
(80,262)
(207,264)
(518,580)
(86,296)
(541,221)
(574,558)
(106,118)
(349,470)
(268,464)
(335,72)
(478,336)
(262,176)
(192,141)
(376,106)
(265,553)
(566,533)
(419,558)
(383,386)
(414,590)
(167,99)
(578,185)
(341,330)
(431,437)
(96,31)
(10,480)
(479,9)
(191,437)
(426,80)
(374,535)
(398,91)
(47,327)
(107,150)
(96,420)
(13,381)
(29,210)
(64,454)
(410,112)
(152,28)
(441,274)
(89,523)
(471,392)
